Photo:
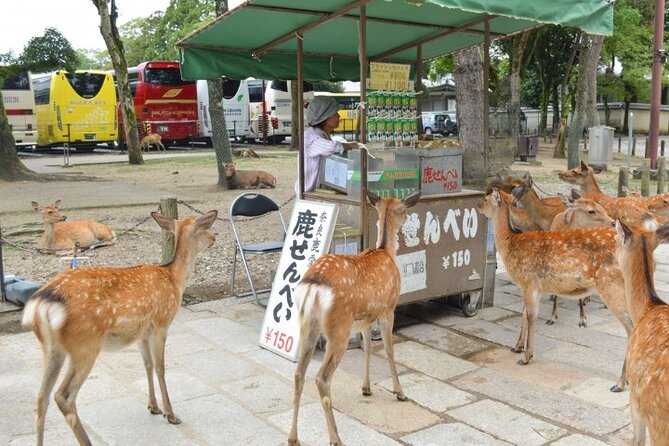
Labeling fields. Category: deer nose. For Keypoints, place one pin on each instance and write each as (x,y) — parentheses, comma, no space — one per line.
(64,218)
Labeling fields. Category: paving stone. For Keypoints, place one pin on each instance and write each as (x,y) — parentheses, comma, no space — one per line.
(611,327)
(578,440)
(263,394)
(568,312)
(452,434)
(312,429)
(233,336)
(354,363)
(607,364)
(217,366)
(540,371)
(507,423)
(186,343)
(493,314)
(544,402)
(430,361)
(431,393)
(18,394)
(446,340)
(181,386)
(596,390)
(9,360)
(280,365)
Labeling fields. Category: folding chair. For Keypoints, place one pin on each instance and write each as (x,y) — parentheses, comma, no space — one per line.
(253,204)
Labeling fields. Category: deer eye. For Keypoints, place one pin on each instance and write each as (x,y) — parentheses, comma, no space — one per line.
(591,212)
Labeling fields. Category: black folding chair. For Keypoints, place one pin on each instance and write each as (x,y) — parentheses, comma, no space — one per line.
(252,204)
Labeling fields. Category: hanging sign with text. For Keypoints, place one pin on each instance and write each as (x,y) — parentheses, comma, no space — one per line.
(309,235)
(389,76)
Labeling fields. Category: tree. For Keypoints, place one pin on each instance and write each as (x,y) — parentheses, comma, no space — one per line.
(140,39)
(48,52)
(108,15)
(180,19)
(93,59)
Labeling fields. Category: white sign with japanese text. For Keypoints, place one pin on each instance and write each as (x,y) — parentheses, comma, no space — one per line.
(308,237)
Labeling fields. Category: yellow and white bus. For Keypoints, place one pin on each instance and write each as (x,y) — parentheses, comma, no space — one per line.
(19,102)
(348,115)
(77,108)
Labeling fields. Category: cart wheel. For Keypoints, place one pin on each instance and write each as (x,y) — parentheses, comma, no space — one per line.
(470,303)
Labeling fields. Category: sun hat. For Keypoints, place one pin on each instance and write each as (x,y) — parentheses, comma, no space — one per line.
(320,109)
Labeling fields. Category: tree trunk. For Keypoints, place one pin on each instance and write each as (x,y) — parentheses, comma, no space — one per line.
(555,101)
(586,86)
(108,15)
(468,76)
(220,137)
(560,146)
(294,107)
(519,44)
(11,168)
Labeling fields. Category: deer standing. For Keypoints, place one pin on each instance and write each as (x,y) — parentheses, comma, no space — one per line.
(543,212)
(571,263)
(341,293)
(62,235)
(82,311)
(646,350)
(149,140)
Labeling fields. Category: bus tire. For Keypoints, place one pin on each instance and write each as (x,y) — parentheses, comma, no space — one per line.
(275,139)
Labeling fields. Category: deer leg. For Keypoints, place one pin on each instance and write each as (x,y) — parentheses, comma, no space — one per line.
(336,347)
(53,363)
(386,323)
(157,345)
(367,346)
(309,338)
(520,345)
(532,311)
(145,350)
(639,427)
(66,395)
(554,316)
(582,318)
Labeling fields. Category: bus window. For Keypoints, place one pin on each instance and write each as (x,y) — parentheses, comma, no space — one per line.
(230,88)
(164,76)
(87,85)
(255,91)
(18,82)
(42,89)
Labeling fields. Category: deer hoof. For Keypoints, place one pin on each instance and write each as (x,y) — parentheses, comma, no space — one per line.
(293,442)
(550,322)
(517,349)
(367,391)
(155,410)
(616,388)
(582,324)
(172,419)
(400,396)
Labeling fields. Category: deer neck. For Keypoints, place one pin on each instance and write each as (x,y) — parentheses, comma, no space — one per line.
(386,237)
(590,186)
(504,230)
(639,284)
(538,210)
(182,264)
(49,237)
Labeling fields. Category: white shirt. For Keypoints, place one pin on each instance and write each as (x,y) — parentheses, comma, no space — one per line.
(315,146)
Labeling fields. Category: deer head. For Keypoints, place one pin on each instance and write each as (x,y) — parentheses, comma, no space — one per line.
(51,214)
(229,170)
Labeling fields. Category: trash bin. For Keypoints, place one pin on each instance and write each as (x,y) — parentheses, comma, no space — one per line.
(600,151)
(528,147)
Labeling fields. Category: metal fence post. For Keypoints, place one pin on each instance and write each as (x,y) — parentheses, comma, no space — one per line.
(2,271)
(661,174)
(168,207)
(645,177)
(623,181)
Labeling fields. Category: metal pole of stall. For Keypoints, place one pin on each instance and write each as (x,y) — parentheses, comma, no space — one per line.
(2,272)
(362,46)
(656,85)
(486,100)
(630,126)
(300,113)
(418,86)
(264,115)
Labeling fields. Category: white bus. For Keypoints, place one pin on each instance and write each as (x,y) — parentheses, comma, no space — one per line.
(19,102)
(235,107)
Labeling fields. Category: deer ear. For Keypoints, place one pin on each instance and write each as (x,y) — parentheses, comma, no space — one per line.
(36,206)
(584,167)
(496,197)
(568,214)
(566,200)
(411,199)
(526,176)
(518,192)
(207,220)
(164,222)
(373,198)
(623,231)
(57,204)
(576,194)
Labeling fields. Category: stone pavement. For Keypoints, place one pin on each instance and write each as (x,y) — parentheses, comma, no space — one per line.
(465,386)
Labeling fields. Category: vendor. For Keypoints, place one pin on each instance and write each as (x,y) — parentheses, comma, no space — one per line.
(322,118)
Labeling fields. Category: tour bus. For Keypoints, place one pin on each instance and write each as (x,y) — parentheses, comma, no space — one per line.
(79,108)
(19,101)
(164,103)
(348,114)
(235,107)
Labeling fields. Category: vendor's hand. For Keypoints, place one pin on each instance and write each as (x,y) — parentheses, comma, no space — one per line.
(350,145)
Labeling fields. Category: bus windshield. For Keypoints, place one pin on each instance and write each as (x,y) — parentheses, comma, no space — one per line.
(18,82)
(164,76)
(87,85)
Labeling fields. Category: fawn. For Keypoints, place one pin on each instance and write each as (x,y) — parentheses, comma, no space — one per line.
(62,235)
(150,140)
(570,263)
(82,311)
(340,293)
(248,179)
(646,350)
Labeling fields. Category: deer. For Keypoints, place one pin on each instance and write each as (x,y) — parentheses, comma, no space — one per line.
(646,349)
(152,139)
(571,264)
(60,235)
(80,312)
(542,212)
(248,179)
(341,293)
(520,218)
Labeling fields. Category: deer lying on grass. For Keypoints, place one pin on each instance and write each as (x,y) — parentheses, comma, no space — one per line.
(647,346)
(152,139)
(571,263)
(62,235)
(82,311)
(248,179)
(340,293)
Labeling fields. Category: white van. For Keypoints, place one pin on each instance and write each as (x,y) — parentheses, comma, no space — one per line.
(235,107)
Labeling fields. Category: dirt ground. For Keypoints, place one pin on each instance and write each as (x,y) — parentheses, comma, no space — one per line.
(191,179)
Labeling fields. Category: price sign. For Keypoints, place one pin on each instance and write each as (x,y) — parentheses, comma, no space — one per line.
(309,235)
(389,76)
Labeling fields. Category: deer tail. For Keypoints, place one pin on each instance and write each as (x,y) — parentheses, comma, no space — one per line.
(45,313)
(313,302)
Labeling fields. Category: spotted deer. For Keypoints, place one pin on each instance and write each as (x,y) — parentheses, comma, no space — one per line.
(520,218)
(61,235)
(341,293)
(573,264)
(543,212)
(80,312)
(647,360)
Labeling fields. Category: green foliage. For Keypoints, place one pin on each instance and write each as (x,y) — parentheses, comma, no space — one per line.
(181,18)
(49,52)
(140,39)
(94,59)
(439,68)
(332,87)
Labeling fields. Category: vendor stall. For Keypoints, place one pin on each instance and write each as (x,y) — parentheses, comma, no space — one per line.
(443,246)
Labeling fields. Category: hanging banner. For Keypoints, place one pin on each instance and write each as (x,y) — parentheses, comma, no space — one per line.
(389,76)
(308,237)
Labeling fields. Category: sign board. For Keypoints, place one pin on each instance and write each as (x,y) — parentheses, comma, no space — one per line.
(308,237)
(389,76)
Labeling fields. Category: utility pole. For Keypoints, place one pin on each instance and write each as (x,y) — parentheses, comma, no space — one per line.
(659,59)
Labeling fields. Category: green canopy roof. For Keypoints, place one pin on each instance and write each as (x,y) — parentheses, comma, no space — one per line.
(258,38)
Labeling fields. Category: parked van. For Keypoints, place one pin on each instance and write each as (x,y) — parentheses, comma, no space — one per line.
(440,122)
(235,108)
